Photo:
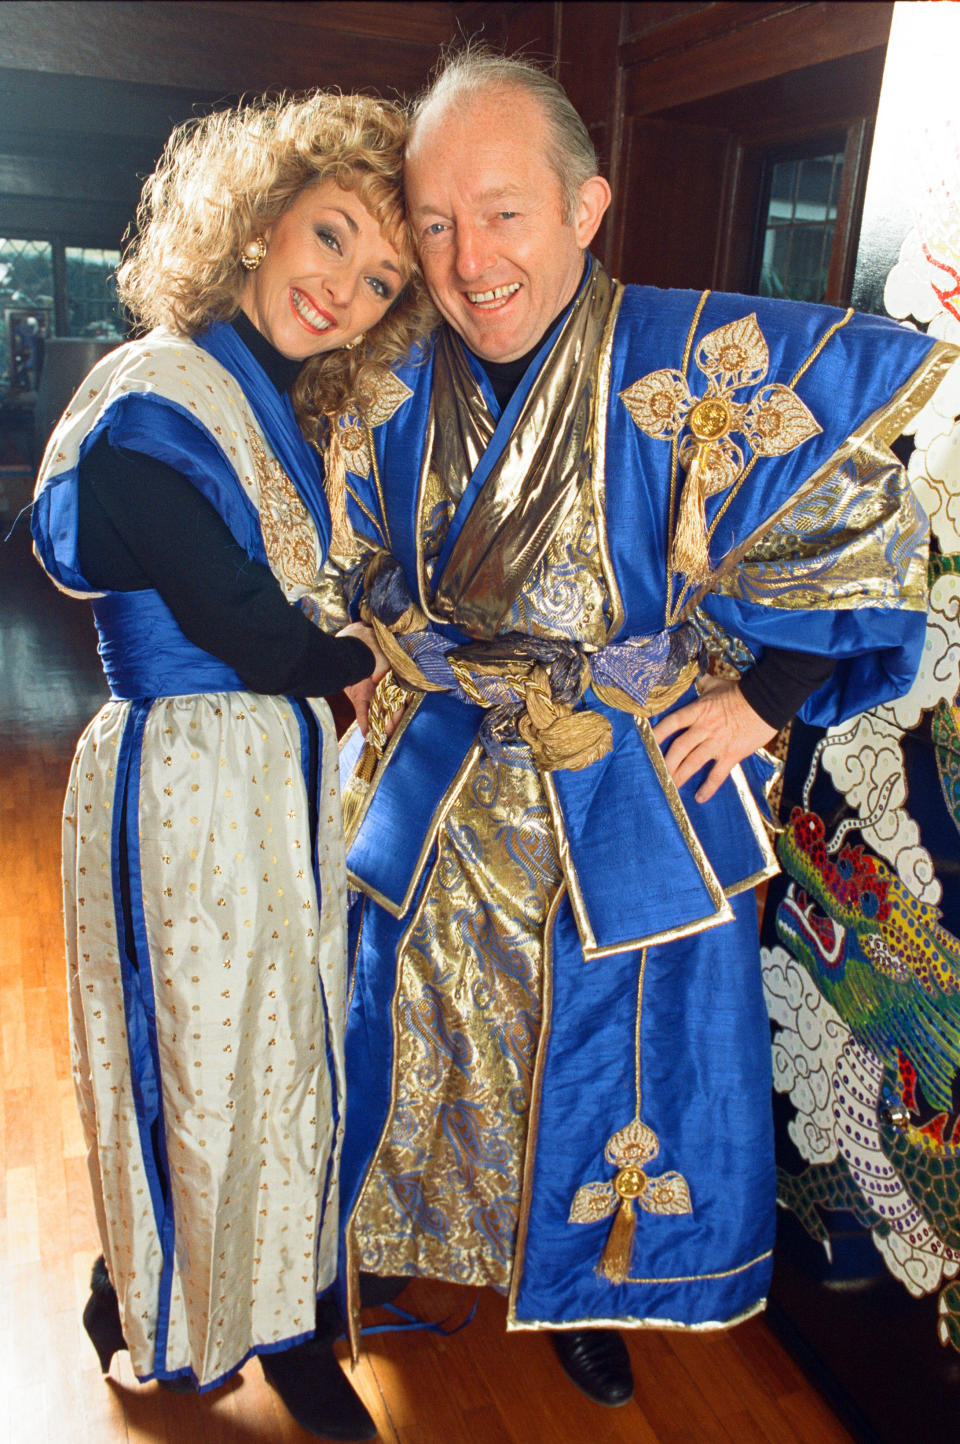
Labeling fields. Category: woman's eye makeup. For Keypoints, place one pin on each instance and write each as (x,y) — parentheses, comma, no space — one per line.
(329,238)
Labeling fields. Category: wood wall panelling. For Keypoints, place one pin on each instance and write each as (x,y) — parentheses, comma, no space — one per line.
(675,178)
(646,35)
(588,68)
(648,15)
(794,38)
(91,91)
(232,47)
(700,158)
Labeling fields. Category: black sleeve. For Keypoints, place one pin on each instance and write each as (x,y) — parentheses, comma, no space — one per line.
(780,682)
(143,524)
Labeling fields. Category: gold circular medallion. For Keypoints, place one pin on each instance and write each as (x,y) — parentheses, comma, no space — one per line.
(709,419)
(630,1182)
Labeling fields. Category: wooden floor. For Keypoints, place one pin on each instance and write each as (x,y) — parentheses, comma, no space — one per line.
(480,1386)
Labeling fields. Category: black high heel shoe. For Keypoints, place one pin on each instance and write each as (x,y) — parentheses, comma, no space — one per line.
(101,1316)
(101,1319)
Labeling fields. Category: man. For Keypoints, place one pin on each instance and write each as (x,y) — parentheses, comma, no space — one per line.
(557,1044)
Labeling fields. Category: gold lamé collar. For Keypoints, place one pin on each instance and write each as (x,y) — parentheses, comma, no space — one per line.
(532,486)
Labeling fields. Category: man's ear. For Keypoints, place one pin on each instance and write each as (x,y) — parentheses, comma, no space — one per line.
(594,199)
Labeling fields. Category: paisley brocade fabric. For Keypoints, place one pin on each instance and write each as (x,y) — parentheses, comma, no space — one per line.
(858,537)
(469,1020)
(288,533)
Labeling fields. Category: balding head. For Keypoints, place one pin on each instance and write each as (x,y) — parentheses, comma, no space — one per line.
(477,70)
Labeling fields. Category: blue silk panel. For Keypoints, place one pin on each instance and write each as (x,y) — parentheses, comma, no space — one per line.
(706,1081)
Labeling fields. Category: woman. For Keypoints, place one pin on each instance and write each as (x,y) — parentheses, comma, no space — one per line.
(203,866)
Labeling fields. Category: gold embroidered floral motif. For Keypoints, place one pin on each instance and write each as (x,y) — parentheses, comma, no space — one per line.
(773,421)
(288,533)
(628,1150)
(388,393)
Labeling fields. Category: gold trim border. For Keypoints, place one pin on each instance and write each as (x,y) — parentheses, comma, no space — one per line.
(771,866)
(598,477)
(536,1092)
(408,715)
(710,1326)
(351,1262)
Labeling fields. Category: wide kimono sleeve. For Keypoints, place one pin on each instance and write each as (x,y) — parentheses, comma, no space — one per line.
(792,524)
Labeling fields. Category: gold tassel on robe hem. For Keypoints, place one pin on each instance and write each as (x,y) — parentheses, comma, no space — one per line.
(614,1264)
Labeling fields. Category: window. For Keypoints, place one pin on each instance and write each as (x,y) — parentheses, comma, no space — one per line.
(92,306)
(798,218)
(50,288)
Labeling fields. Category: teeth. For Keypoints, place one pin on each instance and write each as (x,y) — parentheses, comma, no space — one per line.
(312,317)
(478,297)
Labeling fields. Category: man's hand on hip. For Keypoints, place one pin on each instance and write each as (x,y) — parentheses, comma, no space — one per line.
(719,727)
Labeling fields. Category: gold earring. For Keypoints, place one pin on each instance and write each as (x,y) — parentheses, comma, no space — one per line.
(357,341)
(253,253)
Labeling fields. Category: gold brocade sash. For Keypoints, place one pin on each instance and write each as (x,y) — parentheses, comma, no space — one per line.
(547,458)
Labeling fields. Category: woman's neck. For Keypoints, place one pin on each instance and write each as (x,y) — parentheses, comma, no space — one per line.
(280,369)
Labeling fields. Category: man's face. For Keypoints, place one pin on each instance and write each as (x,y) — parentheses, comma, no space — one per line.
(486,208)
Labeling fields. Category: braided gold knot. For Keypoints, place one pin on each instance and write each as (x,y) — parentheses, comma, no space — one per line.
(557,736)
(388,697)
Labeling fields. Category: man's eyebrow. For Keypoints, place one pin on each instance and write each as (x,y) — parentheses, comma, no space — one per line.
(495,193)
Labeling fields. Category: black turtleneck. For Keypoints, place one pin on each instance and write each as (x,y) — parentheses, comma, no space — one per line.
(505,376)
(780,682)
(142,525)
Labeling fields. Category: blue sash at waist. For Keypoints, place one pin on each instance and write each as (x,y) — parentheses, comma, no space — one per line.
(145,654)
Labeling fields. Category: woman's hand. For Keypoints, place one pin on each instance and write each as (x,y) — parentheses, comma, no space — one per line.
(719,727)
(361,692)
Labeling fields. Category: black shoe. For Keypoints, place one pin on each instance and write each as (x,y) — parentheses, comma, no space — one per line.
(376,1289)
(596,1360)
(101,1319)
(101,1316)
(317,1392)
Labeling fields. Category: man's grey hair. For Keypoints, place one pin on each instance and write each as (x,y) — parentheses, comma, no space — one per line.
(466,73)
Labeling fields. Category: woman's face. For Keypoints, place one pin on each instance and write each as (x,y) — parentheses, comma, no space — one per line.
(329,274)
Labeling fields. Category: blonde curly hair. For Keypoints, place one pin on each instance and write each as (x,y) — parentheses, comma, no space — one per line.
(225,176)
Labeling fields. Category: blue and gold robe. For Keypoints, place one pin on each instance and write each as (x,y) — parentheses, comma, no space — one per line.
(557,1042)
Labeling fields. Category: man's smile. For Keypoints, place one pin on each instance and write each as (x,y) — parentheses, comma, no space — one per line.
(492,300)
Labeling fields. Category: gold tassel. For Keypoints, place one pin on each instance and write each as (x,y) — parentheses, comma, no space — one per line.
(335,486)
(355,790)
(690,554)
(615,1263)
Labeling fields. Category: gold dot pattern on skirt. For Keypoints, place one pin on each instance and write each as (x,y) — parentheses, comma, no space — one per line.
(247,1102)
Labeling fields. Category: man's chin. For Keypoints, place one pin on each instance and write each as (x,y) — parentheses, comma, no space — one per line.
(492,336)
(491,342)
